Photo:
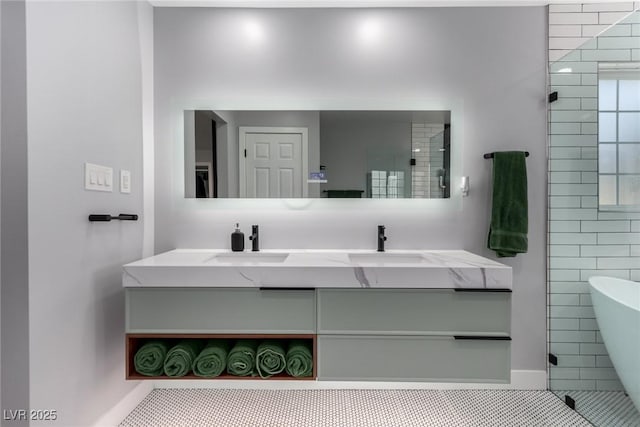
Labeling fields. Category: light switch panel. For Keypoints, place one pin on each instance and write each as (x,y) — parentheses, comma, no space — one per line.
(98,178)
(125,181)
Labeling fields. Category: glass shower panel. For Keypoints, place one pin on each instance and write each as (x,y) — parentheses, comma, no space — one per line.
(594,138)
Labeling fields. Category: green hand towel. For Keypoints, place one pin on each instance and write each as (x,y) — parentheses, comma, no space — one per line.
(242,358)
(270,358)
(212,360)
(181,356)
(299,359)
(149,359)
(509,220)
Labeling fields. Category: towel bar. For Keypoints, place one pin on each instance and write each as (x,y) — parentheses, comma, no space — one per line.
(107,217)
(490,155)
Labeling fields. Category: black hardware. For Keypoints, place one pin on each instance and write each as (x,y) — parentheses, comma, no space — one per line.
(570,402)
(412,162)
(381,238)
(553,359)
(553,96)
(107,218)
(490,155)
(482,290)
(481,337)
(281,288)
(255,245)
(245,152)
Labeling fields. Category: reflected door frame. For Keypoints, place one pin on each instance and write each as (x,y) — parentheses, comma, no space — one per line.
(243,131)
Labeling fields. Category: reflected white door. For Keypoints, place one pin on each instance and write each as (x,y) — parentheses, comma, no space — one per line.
(273,162)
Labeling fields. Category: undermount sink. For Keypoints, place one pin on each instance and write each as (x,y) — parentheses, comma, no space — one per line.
(249,257)
(386,257)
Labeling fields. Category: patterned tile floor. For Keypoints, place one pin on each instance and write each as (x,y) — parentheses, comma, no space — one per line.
(605,408)
(351,408)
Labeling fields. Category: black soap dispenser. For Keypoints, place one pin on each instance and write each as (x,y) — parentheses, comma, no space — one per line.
(237,240)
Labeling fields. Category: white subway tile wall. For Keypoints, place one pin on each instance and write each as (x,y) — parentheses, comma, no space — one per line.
(424,175)
(584,242)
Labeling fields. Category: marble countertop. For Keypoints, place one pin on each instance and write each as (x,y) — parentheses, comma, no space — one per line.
(305,268)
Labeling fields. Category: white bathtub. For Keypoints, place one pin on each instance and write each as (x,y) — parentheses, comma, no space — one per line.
(616,303)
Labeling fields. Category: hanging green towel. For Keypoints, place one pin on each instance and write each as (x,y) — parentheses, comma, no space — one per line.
(149,359)
(299,359)
(212,360)
(181,356)
(242,358)
(270,358)
(509,220)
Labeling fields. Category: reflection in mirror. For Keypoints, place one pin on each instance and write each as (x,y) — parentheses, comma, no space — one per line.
(317,154)
(619,135)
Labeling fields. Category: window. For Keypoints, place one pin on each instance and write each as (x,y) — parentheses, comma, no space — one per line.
(619,135)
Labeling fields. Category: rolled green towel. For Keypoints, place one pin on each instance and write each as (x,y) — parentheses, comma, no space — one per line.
(270,358)
(299,359)
(181,356)
(241,360)
(212,360)
(149,359)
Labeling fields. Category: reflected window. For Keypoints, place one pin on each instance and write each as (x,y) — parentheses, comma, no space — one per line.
(619,134)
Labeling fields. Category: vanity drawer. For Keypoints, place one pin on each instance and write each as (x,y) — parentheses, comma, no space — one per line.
(442,359)
(220,310)
(412,312)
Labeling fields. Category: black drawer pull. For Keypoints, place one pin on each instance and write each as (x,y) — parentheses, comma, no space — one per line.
(482,290)
(481,337)
(284,288)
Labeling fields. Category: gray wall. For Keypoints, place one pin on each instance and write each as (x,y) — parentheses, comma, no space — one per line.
(492,59)
(84,105)
(14,293)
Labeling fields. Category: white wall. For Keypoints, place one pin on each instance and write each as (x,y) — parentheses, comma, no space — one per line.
(492,60)
(85,104)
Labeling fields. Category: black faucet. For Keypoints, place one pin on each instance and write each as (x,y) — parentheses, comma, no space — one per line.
(381,238)
(255,244)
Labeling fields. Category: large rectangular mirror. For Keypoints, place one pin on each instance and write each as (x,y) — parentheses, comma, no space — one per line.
(317,154)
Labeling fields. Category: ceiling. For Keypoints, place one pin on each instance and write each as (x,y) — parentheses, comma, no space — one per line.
(360,3)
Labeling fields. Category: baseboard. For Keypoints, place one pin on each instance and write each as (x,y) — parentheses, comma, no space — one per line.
(119,412)
(520,380)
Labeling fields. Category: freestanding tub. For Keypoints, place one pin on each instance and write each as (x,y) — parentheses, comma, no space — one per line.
(616,303)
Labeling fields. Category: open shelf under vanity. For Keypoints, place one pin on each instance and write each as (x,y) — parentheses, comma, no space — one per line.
(135,340)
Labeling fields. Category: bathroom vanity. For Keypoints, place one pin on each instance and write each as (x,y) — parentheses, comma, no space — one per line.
(383,316)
